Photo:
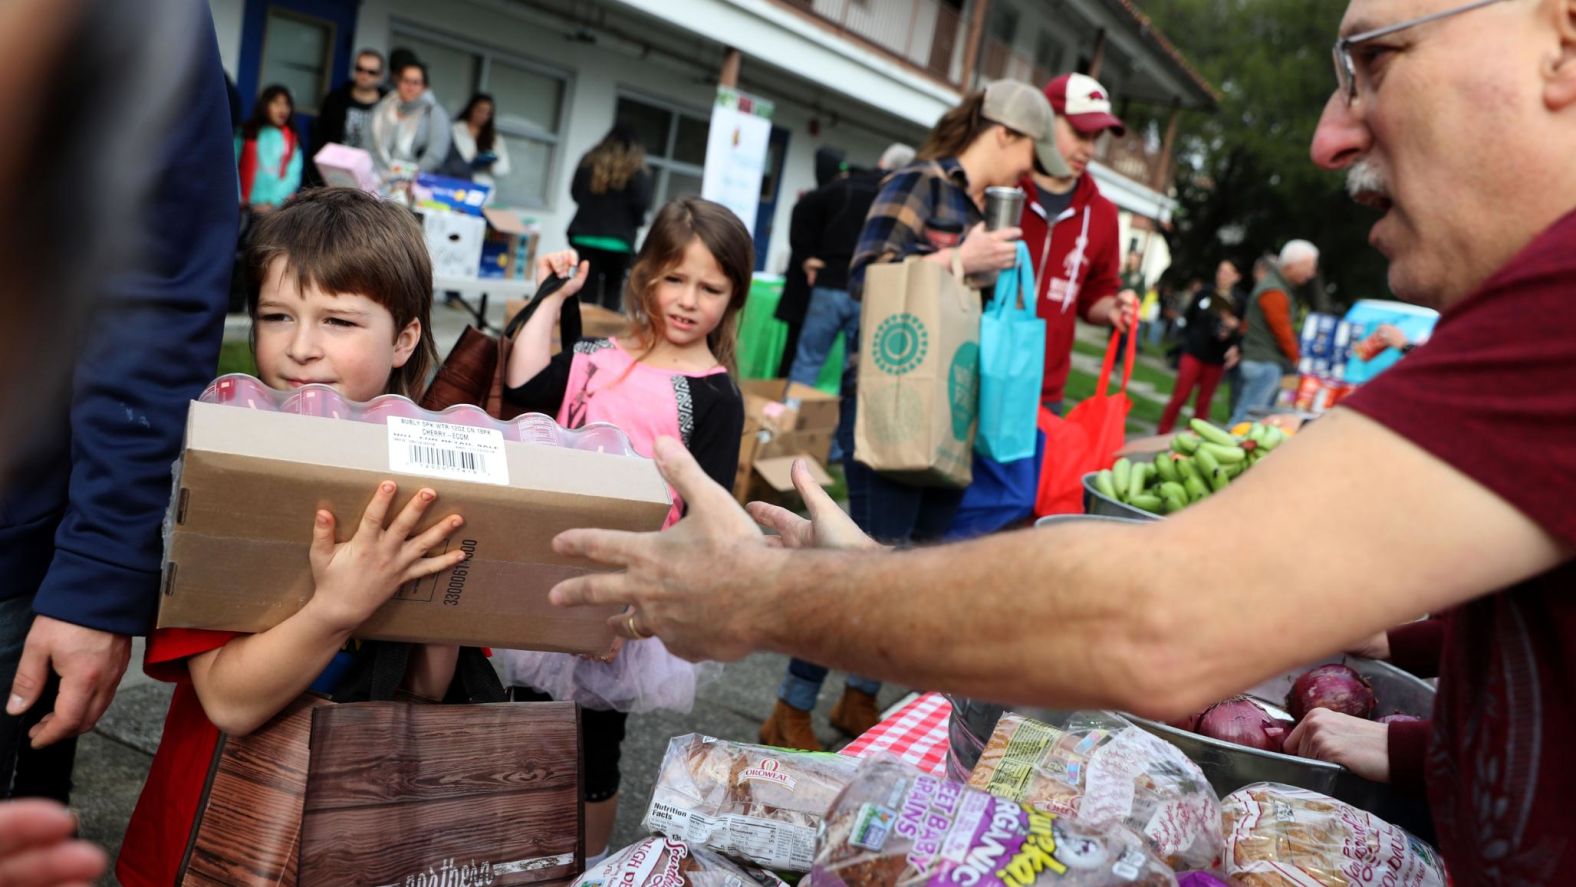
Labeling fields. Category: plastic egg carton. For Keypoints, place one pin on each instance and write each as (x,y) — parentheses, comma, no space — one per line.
(247,392)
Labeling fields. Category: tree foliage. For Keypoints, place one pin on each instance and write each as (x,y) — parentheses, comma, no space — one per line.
(1245,171)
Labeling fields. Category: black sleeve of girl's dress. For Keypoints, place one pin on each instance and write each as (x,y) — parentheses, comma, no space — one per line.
(719,420)
(544,392)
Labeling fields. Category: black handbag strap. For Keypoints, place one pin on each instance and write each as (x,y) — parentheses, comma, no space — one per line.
(569,325)
(381,666)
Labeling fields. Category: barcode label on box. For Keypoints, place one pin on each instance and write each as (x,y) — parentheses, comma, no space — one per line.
(438,449)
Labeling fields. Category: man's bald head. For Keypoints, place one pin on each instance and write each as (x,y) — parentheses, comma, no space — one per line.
(1459,130)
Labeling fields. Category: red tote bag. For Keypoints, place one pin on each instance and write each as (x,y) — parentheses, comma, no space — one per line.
(1087,438)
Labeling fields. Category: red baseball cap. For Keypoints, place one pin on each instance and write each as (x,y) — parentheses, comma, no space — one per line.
(1084,102)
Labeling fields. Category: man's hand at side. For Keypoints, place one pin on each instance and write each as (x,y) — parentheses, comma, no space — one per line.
(90,663)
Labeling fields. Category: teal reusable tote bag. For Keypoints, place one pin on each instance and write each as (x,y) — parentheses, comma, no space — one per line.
(1012,363)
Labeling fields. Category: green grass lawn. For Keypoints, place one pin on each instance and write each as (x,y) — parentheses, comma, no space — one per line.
(236,357)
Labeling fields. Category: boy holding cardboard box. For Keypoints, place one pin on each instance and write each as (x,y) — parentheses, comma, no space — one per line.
(341,295)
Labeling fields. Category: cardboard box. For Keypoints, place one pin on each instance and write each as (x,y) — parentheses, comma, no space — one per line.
(250,481)
(817,409)
(509,245)
(775,434)
(345,167)
(455,242)
(816,444)
(432,191)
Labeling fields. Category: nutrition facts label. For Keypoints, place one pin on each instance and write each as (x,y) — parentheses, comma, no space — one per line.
(767,842)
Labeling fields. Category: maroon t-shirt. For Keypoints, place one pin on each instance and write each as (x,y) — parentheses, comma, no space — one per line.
(1494,395)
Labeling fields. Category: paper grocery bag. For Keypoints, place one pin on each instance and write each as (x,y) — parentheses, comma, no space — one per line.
(918,373)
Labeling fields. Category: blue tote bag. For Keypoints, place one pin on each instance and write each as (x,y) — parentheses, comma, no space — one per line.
(1012,364)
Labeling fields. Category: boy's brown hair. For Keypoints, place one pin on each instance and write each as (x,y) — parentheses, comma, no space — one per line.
(729,242)
(347,241)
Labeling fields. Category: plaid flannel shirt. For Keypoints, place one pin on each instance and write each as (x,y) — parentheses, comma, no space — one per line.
(895,227)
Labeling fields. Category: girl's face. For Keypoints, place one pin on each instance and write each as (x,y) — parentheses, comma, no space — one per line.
(279,111)
(692,296)
(344,340)
(481,114)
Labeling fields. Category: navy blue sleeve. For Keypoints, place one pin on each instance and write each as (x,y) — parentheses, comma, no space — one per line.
(150,347)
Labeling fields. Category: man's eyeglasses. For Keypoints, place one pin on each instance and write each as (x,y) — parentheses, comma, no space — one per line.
(1346,69)
(374,72)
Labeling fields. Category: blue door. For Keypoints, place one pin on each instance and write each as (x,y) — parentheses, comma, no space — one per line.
(771,186)
(303,44)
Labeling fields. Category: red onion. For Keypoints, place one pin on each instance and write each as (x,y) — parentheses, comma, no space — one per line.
(1188,722)
(1336,687)
(1398,718)
(1240,720)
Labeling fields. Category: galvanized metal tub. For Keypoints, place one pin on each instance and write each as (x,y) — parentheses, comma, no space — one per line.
(1230,766)
(1098,504)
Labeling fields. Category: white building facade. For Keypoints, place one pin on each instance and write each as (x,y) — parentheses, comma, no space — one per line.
(853,74)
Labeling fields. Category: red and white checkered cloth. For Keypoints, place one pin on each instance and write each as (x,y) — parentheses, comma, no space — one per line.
(916,732)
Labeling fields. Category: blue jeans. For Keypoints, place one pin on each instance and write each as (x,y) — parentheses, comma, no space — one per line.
(1260,383)
(830,312)
(1154,332)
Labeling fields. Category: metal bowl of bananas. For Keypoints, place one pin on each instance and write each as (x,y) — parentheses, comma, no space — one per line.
(1201,461)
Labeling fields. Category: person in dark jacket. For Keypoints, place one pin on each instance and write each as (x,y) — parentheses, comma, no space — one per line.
(831,217)
(1210,331)
(345,115)
(795,300)
(612,191)
(89,477)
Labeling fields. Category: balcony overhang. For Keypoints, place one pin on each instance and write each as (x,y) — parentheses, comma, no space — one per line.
(1131,196)
(812,50)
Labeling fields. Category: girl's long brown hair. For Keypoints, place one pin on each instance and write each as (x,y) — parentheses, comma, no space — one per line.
(957,129)
(615,160)
(725,237)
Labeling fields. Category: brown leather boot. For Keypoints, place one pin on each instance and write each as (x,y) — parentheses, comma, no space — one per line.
(789,727)
(855,713)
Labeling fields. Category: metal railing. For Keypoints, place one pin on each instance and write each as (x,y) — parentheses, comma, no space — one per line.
(998,61)
(1132,156)
(926,34)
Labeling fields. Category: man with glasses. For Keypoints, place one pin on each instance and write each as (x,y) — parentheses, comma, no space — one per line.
(1444,486)
(345,114)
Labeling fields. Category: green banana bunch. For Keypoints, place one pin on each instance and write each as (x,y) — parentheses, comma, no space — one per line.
(1201,462)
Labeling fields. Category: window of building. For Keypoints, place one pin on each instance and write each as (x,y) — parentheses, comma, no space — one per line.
(1047,55)
(1004,23)
(298,51)
(530,99)
(675,141)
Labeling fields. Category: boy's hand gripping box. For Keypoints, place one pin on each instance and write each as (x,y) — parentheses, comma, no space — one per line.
(250,481)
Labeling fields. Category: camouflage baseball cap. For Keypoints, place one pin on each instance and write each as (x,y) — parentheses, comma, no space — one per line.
(1022,108)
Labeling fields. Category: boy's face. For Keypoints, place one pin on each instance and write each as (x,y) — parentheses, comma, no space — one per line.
(346,341)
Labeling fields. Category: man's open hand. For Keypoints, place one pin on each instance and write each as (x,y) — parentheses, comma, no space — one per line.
(689,585)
